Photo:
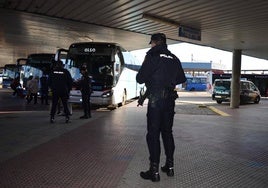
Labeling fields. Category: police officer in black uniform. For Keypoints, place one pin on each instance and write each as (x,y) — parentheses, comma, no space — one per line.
(85,87)
(60,82)
(161,71)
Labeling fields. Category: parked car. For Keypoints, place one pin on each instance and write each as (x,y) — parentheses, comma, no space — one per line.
(248,91)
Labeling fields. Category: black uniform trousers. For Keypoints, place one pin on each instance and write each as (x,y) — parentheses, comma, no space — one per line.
(55,99)
(86,104)
(44,96)
(160,116)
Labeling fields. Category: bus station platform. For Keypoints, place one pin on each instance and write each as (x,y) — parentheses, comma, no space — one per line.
(215,147)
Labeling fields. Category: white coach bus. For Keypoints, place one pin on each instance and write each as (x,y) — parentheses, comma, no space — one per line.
(113,71)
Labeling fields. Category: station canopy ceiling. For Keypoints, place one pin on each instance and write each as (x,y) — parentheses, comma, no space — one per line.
(32,26)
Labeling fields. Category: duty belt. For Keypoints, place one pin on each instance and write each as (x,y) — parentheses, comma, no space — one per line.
(164,93)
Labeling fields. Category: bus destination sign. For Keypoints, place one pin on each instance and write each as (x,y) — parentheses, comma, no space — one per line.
(89,50)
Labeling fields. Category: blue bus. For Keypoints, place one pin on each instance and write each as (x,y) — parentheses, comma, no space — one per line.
(196,83)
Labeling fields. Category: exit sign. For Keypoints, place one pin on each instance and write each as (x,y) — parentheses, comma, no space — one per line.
(190,33)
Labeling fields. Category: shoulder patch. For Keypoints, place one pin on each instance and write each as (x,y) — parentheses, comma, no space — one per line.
(166,56)
(58,72)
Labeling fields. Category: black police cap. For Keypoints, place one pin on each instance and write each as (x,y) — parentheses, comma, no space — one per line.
(83,67)
(57,63)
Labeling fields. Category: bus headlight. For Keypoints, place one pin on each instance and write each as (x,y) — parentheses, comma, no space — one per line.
(106,94)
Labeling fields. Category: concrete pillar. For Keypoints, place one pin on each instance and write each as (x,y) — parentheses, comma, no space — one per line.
(235,84)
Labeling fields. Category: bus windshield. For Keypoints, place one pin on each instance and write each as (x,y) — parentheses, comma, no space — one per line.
(35,65)
(41,62)
(10,72)
(96,65)
(99,60)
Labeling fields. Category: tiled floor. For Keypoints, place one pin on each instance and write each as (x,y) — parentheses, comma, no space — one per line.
(110,150)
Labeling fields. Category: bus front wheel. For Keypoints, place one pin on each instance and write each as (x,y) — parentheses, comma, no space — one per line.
(219,102)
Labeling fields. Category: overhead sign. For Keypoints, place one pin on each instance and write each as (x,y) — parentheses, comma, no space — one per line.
(190,33)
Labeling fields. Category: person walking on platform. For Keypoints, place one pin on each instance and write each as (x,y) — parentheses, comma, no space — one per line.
(85,86)
(28,92)
(60,82)
(33,87)
(16,86)
(161,71)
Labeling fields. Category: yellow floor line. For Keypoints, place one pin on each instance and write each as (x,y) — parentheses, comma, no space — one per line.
(218,111)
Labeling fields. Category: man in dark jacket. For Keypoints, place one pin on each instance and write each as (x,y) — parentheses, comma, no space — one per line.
(161,71)
(85,87)
(60,82)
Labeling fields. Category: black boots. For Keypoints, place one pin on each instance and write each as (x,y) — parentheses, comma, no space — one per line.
(52,119)
(152,174)
(67,119)
(84,117)
(168,168)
